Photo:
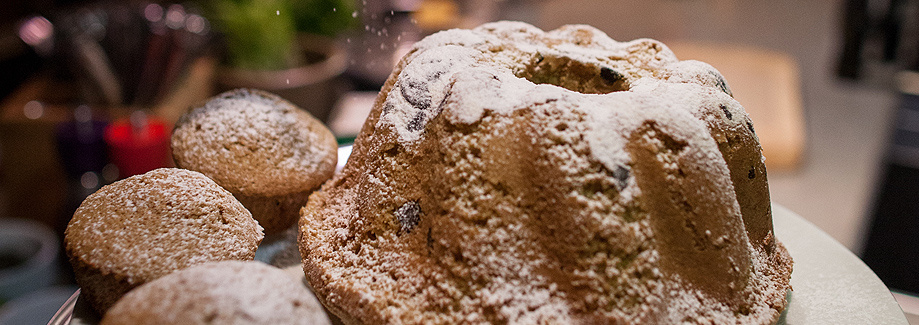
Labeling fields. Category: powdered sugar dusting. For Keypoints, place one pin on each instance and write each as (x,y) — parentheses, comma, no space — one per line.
(225,292)
(559,177)
(421,89)
(255,143)
(149,225)
(483,68)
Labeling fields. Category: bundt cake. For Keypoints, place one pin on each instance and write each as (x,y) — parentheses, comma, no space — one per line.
(511,175)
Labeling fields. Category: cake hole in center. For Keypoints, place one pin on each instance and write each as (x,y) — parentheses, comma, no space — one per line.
(574,75)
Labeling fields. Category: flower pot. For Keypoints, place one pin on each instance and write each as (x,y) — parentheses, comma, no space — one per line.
(314,86)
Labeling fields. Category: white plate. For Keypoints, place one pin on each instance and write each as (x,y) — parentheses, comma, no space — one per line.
(830,284)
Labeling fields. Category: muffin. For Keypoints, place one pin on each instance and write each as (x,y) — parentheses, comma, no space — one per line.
(146,226)
(269,153)
(228,292)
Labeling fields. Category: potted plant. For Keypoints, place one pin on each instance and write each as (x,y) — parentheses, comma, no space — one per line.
(323,17)
(286,47)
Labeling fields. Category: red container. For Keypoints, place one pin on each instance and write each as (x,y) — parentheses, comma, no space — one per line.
(137,148)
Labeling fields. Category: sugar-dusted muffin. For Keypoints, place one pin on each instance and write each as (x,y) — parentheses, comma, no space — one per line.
(515,176)
(269,153)
(146,226)
(228,292)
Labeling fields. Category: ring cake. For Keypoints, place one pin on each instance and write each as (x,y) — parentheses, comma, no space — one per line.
(511,175)
(146,226)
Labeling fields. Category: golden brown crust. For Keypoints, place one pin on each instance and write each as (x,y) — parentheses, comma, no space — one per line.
(146,226)
(510,175)
(265,150)
(733,130)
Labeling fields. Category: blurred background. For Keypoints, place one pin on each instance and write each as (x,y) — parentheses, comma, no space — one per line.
(89,91)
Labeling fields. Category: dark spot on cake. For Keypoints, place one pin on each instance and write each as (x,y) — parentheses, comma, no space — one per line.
(750,126)
(538,59)
(392,151)
(408,215)
(416,93)
(594,187)
(744,310)
(502,188)
(622,174)
(416,123)
(387,108)
(429,239)
(669,142)
(449,93)
(698,241)
(724,109)
(685,206)
(371,235)
(476,152)
(611,76)
(458,256)
(443,102)
(633,213)
(752,173)
(719,80)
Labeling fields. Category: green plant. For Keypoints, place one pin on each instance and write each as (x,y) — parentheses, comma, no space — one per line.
(262,34)
(323,17)
(259,34)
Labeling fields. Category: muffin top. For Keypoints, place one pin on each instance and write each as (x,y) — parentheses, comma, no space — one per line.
(255,143)
(228,292)
(149,225)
